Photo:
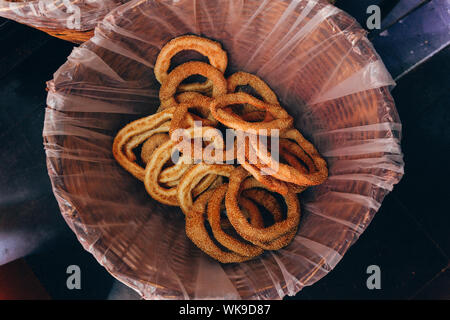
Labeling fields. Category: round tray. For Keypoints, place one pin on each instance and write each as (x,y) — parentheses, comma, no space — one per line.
(326,74)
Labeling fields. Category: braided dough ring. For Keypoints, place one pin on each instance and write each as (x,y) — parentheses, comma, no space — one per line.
(241,224)
(180,73)
(211,49)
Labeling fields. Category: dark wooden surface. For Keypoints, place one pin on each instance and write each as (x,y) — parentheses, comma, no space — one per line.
(408,238)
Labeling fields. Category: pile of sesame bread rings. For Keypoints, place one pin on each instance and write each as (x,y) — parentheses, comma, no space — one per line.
(239,195)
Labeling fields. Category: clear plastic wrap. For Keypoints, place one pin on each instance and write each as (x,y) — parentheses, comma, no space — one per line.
(78,15)
(326,74)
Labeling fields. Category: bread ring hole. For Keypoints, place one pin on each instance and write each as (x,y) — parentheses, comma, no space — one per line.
(228,228)
(195,78)
(185,56)
(290,159)
(266,215)
(282,203)
(197,111)
(247,112)
(249,90)
(293,159)
(213,239)
(264,201)
(138,153)
(144,151)
(202,180)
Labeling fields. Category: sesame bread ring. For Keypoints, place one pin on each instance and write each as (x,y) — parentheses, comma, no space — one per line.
(281,119)
(196,231)
(241,224)
(193,176)
(294,142)
(228,241)
(209,48)
(152,144)
(136,133)
(170,84)
(270,203)
(247,79)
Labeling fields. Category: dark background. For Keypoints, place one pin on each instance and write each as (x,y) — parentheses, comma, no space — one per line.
(408,238)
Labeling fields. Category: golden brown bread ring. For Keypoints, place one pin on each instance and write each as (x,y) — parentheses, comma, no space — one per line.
(246,161)
(282,120)
(211,49)
(228,241)
(141,138)
(241,224)
(202,101)
(193,176)
(142,128)
(307,147)
(269,175)
(180,73)
(208,182)
(196,231)
(305,151)
(214,152)
(153,171)
(242,79)
(180,119)
(254,116)
(152,144)
(270,203)
(259,196)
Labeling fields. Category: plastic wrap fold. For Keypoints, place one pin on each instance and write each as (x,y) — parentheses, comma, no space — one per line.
(78,15)
(326,74)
